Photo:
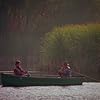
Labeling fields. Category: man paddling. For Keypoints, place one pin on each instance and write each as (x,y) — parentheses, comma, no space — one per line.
(65,70)
(19,71)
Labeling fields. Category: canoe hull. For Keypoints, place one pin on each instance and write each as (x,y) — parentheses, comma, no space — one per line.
(11,80)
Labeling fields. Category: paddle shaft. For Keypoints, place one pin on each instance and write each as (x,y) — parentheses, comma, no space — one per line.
(86,76)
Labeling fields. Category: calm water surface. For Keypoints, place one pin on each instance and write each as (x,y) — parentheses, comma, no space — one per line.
(87,91)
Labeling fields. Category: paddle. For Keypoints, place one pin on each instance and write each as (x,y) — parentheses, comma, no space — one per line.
(93,79)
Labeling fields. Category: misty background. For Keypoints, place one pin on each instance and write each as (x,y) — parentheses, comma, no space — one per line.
(24,22)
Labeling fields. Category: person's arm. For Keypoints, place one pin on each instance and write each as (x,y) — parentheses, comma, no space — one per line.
(21,69)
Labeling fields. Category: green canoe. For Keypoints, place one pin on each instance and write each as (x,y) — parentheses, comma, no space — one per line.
(16,81)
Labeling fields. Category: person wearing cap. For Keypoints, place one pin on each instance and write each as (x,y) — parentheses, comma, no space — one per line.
(65,70)
(18,70)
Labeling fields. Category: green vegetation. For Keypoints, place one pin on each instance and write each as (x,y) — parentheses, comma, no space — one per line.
(77,44)
(24,22)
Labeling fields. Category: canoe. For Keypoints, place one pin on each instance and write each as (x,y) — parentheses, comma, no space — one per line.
(17,81)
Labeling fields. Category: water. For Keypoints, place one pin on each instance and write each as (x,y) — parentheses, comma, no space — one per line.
(87,91)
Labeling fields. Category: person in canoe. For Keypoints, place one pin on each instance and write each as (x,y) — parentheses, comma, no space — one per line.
(18,70)
(65,70)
